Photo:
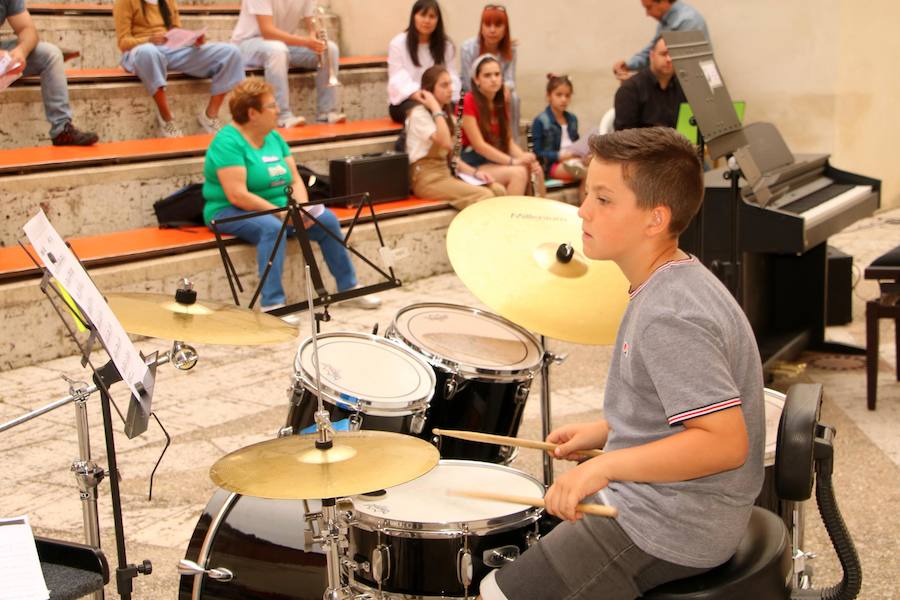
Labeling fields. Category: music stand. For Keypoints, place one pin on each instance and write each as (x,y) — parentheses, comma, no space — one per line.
(103,378)
(294,215)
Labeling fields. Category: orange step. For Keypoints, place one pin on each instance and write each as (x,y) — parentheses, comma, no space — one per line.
(149,242)
(106,9)
(44,158)
(118,74)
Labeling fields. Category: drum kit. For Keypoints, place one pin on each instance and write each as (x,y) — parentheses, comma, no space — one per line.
(378,485)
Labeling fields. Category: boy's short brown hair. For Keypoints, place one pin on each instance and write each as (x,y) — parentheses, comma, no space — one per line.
(660,166)
(246,95)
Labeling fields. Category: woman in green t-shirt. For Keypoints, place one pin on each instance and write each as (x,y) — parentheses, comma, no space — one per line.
(248,165)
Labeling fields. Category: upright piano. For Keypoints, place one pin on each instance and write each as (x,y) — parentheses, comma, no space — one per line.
(783,228)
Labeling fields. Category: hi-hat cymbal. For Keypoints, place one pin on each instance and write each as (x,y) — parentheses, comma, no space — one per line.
(293,468)
(160,316)
(504,250)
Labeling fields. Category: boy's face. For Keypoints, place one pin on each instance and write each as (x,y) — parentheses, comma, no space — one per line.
(611,222)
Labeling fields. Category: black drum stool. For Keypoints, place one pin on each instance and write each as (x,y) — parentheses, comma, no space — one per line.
(886,269)
(762,566)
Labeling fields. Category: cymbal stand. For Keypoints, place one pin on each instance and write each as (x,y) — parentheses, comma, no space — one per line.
(549,359)
(329,525)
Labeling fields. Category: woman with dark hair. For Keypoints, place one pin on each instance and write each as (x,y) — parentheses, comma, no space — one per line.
(430,132)
(494,38)
(422,45)
(487,140)
(248,165)
(141,28)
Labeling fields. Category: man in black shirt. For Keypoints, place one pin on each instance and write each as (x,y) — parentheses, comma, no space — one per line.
(650,98)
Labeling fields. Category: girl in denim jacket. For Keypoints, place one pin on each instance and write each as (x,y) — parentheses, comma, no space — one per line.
(555,132)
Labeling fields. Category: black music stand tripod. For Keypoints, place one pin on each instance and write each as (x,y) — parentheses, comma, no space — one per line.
(295,215)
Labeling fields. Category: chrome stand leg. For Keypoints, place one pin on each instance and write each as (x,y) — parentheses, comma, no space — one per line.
(330,540)
(546,425)
(88,476)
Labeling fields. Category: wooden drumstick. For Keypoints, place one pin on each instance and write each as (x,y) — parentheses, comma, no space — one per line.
(598,510)
(502,440)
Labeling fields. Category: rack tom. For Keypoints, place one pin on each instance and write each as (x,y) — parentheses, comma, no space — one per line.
(415,540)
(368,382)
(484,365)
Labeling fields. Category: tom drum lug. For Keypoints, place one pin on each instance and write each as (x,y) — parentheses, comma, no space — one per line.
(381,563)
(532,538)
(355,421)
(522,391)
(464,567)
(451,385)
(418,423)
(189,567)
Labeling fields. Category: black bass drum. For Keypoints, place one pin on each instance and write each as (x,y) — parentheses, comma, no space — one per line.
(260,542)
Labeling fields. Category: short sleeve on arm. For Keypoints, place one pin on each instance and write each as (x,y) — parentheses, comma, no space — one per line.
(309,8)
(226,150)
(259,7)
(15,7)
(469,106)
(688,367)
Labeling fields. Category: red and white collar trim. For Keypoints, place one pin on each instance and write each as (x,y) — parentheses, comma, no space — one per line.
(672,263)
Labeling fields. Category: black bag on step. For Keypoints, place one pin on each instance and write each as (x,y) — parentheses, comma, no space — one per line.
(321,185)
(184,208)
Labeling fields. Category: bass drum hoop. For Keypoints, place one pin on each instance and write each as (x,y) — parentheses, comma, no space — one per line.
(206,546)
(365,590)
(364,405)
(445,530)
(468,370)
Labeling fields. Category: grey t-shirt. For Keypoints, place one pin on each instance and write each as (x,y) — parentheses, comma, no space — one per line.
(10,8)
(684,350)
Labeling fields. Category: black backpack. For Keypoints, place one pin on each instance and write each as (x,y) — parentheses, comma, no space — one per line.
(184,208)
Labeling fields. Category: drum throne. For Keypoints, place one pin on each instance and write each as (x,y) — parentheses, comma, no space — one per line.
(763,566)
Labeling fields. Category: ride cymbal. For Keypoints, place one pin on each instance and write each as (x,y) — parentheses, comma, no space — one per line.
(292,468)
(505,251)
(160,316)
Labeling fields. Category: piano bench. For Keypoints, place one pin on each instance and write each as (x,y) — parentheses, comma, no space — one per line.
(886,269)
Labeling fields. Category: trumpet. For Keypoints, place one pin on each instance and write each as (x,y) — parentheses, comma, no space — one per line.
(324,58)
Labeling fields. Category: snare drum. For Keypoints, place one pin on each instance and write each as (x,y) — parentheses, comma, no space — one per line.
(368,382)
(768,497)
(484,366)
(415,540)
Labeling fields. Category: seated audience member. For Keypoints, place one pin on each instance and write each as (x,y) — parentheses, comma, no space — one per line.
(487,142)
(141,27)
(430,131)
(422,45)
(265,32)
(652,97)
(555,130)
(247,167)
(673,15)
(29,56)
(494,38)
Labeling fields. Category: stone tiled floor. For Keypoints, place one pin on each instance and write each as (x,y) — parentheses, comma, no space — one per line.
(238,395)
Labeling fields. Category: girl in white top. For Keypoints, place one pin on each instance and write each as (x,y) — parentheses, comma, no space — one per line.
(422,45)
(430,133)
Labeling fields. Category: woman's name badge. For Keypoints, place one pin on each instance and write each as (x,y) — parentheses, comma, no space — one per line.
(277,171)
(270,159)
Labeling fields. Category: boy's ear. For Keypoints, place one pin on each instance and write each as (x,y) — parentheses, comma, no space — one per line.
(660,218)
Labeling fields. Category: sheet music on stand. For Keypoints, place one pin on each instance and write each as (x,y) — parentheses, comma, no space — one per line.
(21,577)
(65,267)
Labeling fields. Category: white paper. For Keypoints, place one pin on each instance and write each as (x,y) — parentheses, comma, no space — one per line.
(314,210)
(6,65)
(63,265)
(711,73)
(21,577)
(470,179)
(181,38)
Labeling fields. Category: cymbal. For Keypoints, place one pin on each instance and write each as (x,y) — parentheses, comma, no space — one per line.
(160,316)
(504,250)
(293,468)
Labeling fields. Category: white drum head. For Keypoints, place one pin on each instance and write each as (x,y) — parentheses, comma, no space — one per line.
(475,341)
(369,369)
(774,407)
(425,500)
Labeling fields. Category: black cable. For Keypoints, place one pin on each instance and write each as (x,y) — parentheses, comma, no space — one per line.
(161,454)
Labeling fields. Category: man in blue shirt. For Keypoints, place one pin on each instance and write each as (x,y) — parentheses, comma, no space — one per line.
(29,56)
(673,15)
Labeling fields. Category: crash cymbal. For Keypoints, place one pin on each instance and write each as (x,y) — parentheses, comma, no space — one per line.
(504,250)
(160,316)
(293,468)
